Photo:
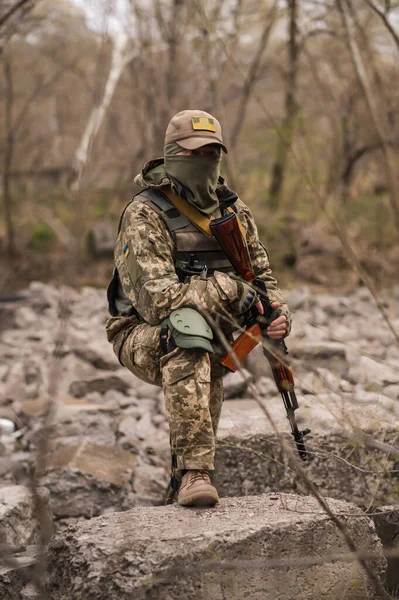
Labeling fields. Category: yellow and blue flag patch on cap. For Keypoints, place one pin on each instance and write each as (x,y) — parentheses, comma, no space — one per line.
(203,123)
(126,251)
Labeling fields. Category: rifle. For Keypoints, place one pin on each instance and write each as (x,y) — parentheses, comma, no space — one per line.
(227,231)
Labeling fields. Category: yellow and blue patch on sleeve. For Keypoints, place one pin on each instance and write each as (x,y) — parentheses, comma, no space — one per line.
(126,251)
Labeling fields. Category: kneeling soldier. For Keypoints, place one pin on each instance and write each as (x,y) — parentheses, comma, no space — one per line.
(166,267)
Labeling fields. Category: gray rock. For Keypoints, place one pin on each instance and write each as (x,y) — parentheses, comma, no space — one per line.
(312,333)
(319,316)
(368,370)
(256,464)
(19,524)
(100,359)
(88,478)
(159,420)
(240,418)
(319,381)
(14,389)
(235,550)
(121,400)
(7,316)
(150,483)
(266,386)
(3,372)
(386,520)
(102,238)
(250,459)
(127,428)
(392,391)
(144,428)
(311,383)
(236,383)
(29,592)
(298,297)
(78,389)
(257,364)
(345,386)
(318,350)
(91,422)
(334,305)
(14,577)
(25,317)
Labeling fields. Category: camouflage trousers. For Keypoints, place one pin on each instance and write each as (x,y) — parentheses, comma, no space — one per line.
(192,385)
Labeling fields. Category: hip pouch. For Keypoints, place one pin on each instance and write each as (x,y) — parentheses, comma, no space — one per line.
(186,328)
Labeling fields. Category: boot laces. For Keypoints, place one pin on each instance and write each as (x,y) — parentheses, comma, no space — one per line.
(200,476)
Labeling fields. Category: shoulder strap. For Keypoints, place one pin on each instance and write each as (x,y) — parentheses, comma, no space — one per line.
(167,201)
(195,216)
(188,210)
(174,219)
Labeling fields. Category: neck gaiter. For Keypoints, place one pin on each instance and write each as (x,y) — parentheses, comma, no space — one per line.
(197,174)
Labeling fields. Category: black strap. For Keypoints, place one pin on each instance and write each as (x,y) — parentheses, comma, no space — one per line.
(112,290)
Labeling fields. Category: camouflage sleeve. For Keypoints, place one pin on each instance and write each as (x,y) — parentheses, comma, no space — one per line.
(144,258)
(260,260)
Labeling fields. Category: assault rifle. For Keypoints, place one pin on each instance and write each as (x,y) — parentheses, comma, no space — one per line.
(228,233)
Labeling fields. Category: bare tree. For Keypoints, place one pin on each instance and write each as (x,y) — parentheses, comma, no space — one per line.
(12,19)
(122,54)
(18,6)
(8,155)
(253,72)
(369,96)
(291,107)
(383,15)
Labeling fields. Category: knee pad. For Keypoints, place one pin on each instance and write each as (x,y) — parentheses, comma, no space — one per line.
(188,329)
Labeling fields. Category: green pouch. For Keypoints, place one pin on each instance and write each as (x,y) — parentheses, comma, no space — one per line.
(190,330)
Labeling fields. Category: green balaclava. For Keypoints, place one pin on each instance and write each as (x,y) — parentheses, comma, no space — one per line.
(197,174)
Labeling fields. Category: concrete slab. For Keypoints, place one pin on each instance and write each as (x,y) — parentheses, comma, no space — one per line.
(261,548)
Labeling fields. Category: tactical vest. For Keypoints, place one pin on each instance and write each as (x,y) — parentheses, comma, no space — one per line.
(188,241)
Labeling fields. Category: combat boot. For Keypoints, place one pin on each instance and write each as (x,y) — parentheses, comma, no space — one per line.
(196,490)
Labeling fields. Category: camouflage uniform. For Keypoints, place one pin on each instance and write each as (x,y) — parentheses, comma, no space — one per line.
(191,379)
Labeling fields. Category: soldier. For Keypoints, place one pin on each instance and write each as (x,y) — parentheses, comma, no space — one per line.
(156,329)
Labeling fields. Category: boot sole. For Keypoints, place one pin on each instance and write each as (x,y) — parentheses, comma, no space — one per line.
(199,500)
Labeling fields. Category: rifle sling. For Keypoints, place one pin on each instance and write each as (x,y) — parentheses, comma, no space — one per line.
(195,216)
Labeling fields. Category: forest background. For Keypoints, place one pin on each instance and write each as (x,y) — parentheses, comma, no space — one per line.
(306,91)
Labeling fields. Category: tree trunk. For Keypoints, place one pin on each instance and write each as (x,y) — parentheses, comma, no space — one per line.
(285,134)
(8,156)
(171,32)
(361,73)
(119,61)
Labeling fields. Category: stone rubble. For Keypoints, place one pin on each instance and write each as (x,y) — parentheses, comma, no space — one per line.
(386,520)
(18,525)
(243,548)
(107,437)
(346,379)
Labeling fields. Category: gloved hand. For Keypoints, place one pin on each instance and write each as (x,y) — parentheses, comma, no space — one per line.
(247,298)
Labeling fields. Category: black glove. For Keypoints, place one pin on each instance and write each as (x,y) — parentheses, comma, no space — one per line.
(247,297)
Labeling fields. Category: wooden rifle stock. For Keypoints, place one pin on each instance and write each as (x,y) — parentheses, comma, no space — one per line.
(227,232)
(242,346)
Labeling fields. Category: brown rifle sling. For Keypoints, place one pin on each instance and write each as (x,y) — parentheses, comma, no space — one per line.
(195,216)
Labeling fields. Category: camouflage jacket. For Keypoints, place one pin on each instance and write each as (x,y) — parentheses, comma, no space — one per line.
(144,259)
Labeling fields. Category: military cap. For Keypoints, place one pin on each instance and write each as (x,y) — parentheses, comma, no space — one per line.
(192,129)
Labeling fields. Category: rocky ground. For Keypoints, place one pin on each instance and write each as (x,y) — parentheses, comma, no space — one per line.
(106,434)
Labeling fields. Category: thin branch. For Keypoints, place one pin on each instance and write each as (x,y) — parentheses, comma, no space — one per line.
(13,10)
(251,77)
(385,20)
(374,114)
